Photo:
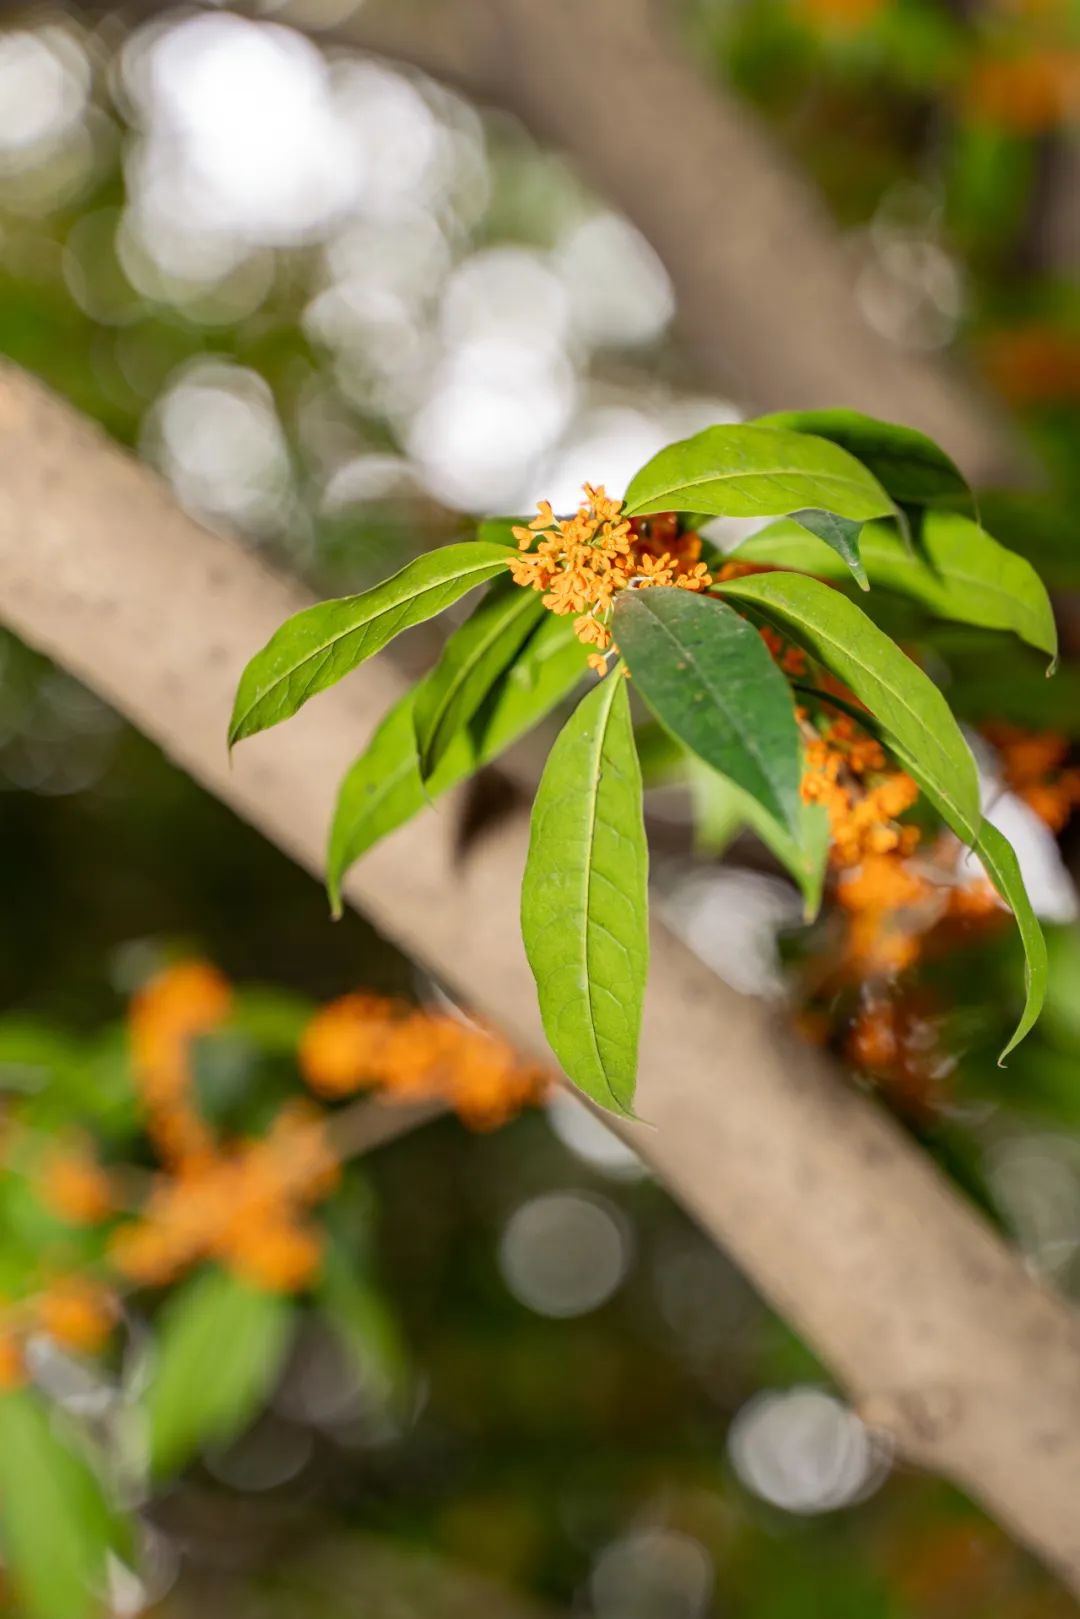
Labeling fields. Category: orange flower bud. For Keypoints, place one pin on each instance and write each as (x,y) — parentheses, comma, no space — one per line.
(77,1314)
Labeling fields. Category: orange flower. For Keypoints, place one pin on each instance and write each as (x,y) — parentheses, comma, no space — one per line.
(12,1366)
(362,1041)
(341,1048)
(167,1015)
(240,1206)
(581,562)
(75,1187)
(1029,93)
(1032,762)
(278,1256)
(77,1314)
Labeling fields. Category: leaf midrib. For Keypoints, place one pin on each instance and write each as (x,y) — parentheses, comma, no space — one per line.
(361,624)
(747,739)
(596,774)
(758,472)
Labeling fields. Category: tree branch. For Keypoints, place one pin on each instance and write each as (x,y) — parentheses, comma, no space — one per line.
(939,1332)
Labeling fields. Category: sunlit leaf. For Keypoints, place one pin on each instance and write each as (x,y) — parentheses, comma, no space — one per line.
(55,1525)
(584,899)
(220,1348)
(749,471)
(956,571)
(840,636)
(904,461)
(382,789)
(708,676)
(318,647)
(472,660)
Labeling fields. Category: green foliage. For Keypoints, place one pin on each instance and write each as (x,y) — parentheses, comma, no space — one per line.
(473,659)
(841,534)
(584,897)
(1002,867)
(863,499)
(383,789)
(708,677)
(320,646)
(955,570)
(751,471)
(849,644)
(219,1350)
(55,1525)
(907,464)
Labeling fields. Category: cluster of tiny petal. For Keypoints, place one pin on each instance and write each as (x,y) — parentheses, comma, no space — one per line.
(166,1017)
(76,1312)
(1034,766)
(847,772)
(898,1041)
(369,1042)
(579,563)
(240,1202)
(74,1186)
(889,899)
(244,1206)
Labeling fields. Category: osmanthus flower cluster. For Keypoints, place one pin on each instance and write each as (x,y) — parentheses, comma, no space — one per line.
(210,1223)
(902,896)
(746,661)
(244,1202)
(580,562)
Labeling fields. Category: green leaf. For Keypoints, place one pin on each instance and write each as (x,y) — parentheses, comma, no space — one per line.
(220,1348)
(841,534)
(721,809)
(749,471)
(1003,869)
(957,571)
(382,789)
(55,1525)
(318,647)
(364,1323)
(707,675)
(840,636)
(717,805)
(905,462)
(584,898)
(472,661)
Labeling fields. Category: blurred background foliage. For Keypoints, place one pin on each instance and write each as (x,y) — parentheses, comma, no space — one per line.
(341,309)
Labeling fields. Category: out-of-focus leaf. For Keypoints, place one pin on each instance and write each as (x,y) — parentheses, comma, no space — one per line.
(906,463)
(472,661)
(55,1526)
(754,471)
(364,1323)
(220,1347)
(584,899)
(383,789)
(318,647)
(708,676)
(908,704)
